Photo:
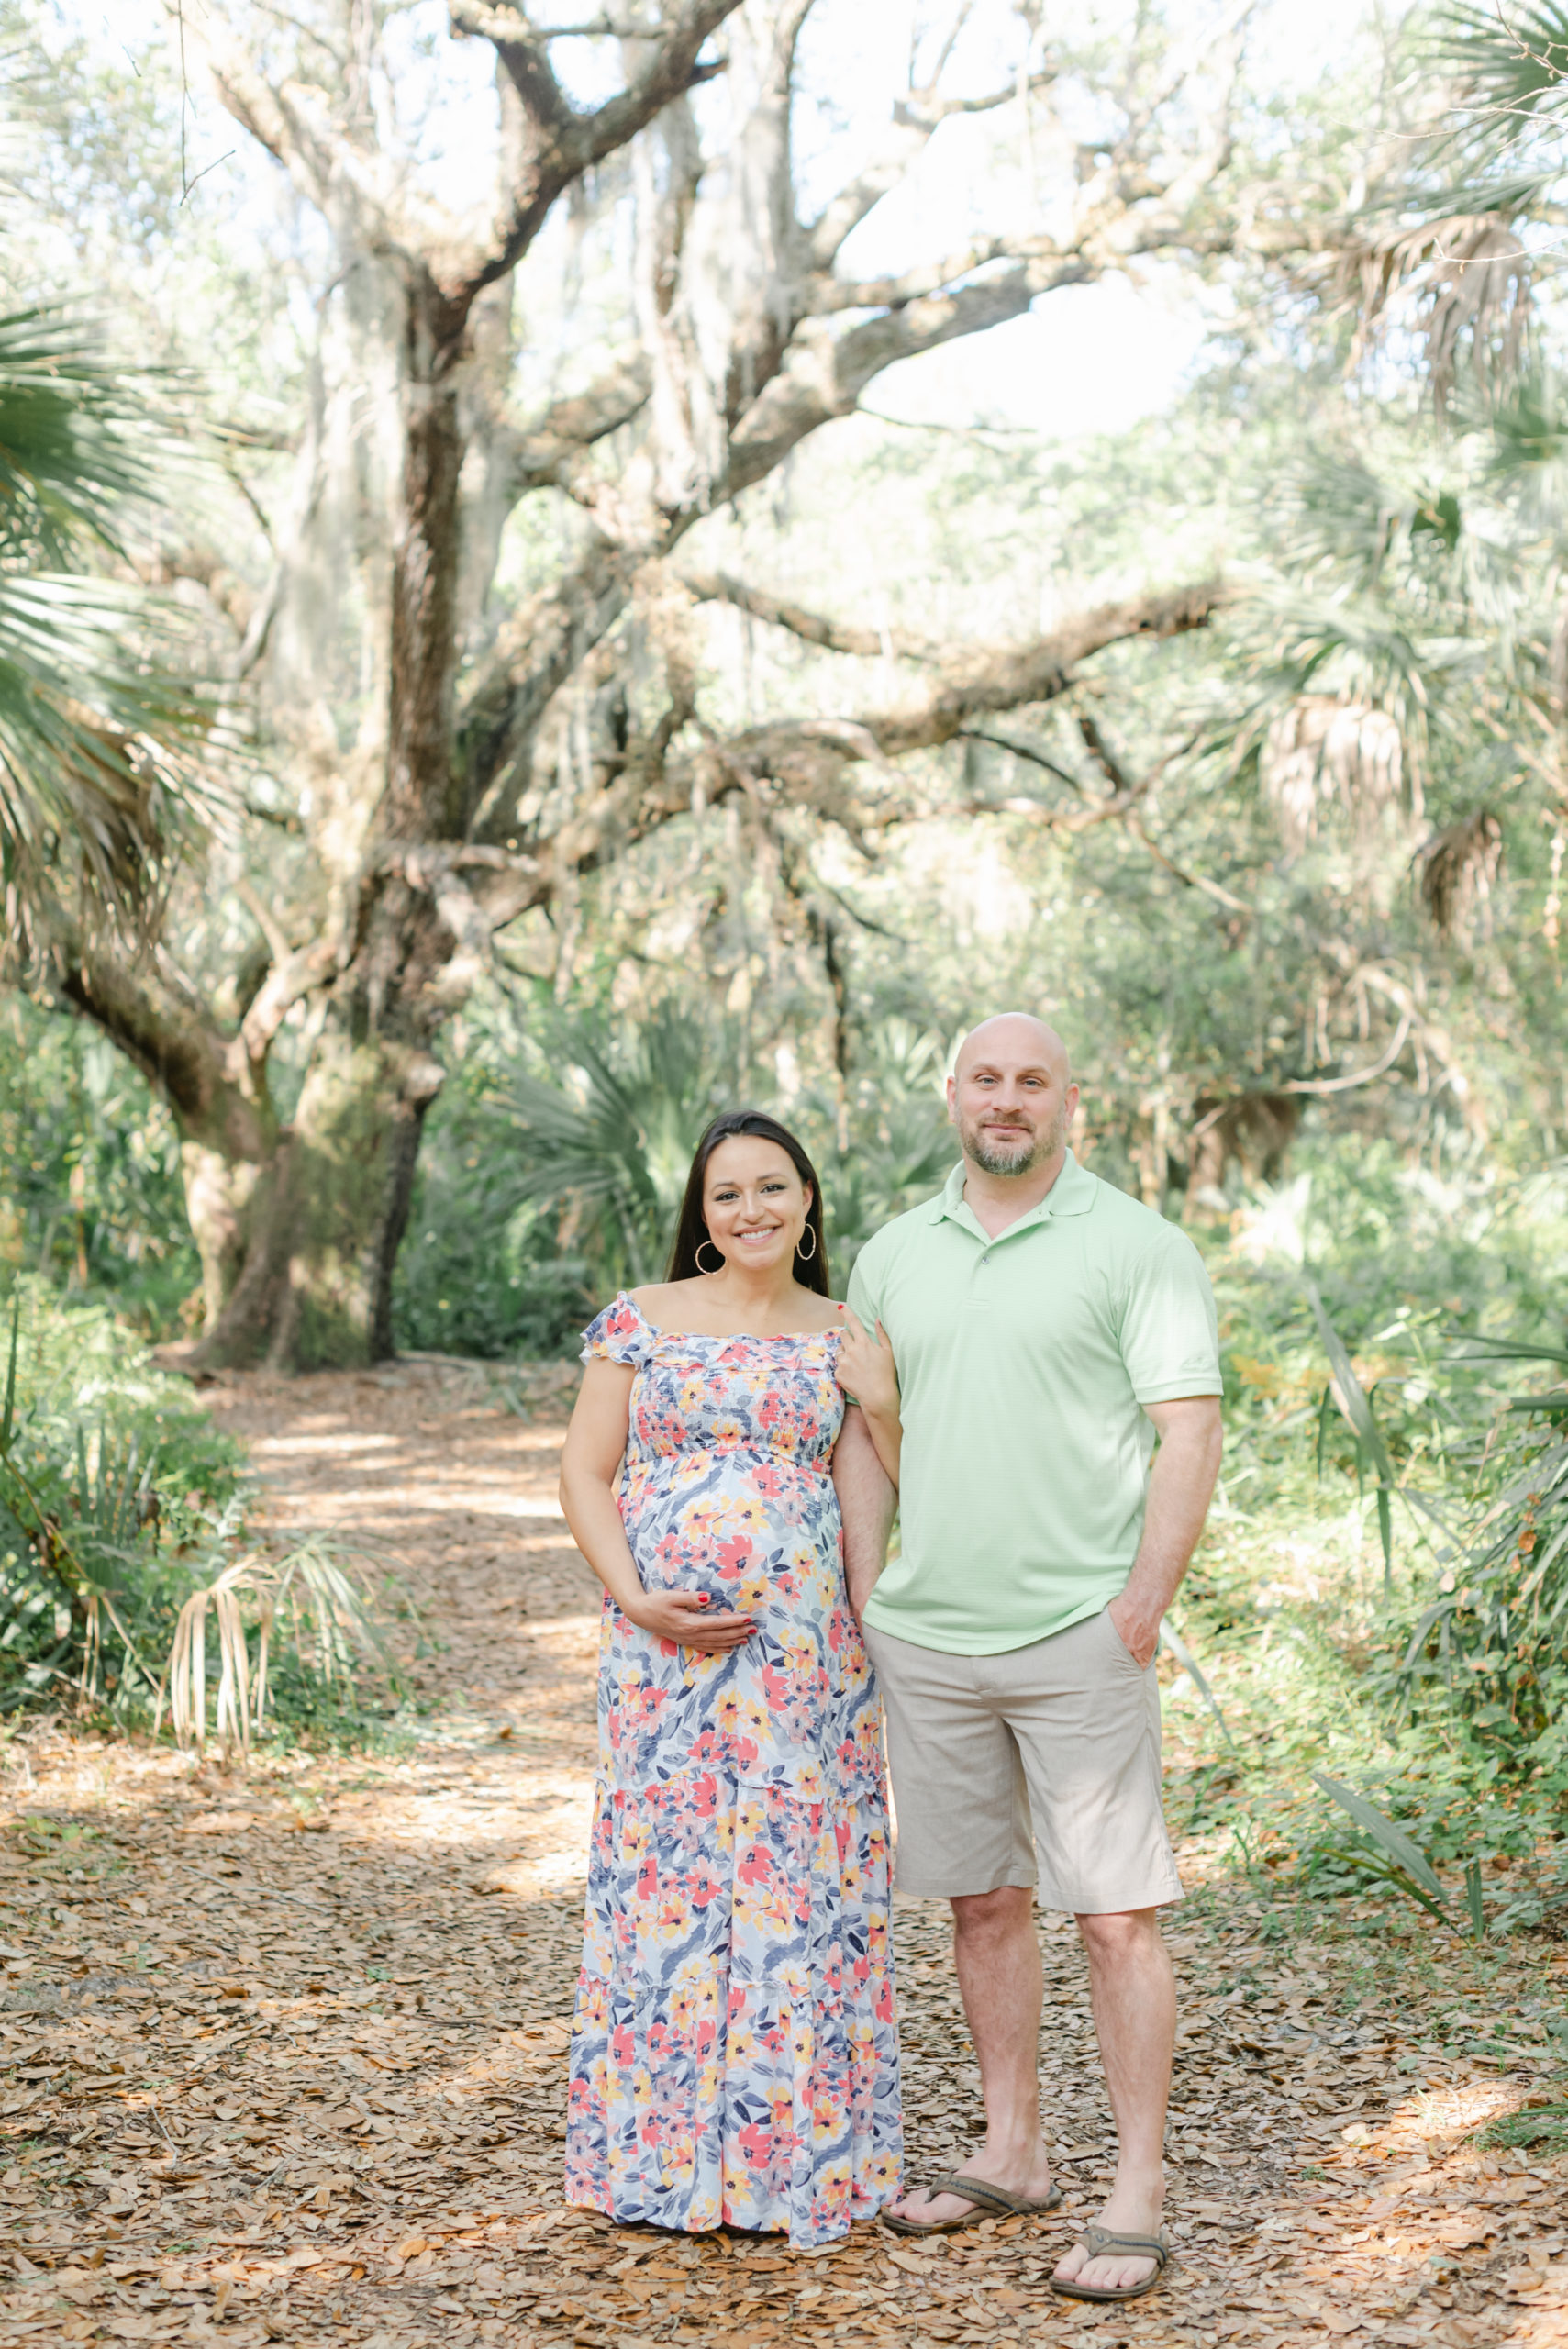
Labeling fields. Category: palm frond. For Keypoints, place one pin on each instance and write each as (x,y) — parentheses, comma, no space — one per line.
(1458,867)
(99,751)
(1461,279)
(100,735)
(1524,430)
(1511,65)
(614,1134)
(309,1598)
(81,442)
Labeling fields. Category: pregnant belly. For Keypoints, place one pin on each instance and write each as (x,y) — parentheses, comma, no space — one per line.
(742,1551)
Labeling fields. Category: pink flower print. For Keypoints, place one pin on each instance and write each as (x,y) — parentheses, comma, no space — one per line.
(757,2143)
(884,2001)
(648,1879)
(768,1483)
(757,1868)
(733,1556)
(623,2045)
(703,1886)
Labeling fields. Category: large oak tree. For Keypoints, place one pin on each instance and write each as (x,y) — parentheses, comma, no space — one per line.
(425,724)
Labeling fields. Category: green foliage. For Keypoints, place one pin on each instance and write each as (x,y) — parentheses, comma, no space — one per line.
(1394,1860)
(1511,65)
(1489,1652)
(76,450)
(91,1195)
(553,1173)
(127,1588)
(1542,2125)
(612,1127)
(112,1483)
(96,736)
(1308,1640)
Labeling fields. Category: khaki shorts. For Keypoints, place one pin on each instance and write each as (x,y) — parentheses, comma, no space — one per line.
(1054,1747)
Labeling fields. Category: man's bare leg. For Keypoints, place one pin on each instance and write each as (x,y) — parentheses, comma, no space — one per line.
(1133,1994)
(999,1975)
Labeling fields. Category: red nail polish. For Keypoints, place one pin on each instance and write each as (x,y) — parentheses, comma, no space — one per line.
(702,1599)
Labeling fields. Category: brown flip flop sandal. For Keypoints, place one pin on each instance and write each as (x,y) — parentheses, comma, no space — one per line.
(990,2202)
(1100,2243)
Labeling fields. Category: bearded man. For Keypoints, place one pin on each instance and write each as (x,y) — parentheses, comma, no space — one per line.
(1016,1346)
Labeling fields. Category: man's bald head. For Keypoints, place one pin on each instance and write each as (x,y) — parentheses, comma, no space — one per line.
(1012,1034)
(1011,1095)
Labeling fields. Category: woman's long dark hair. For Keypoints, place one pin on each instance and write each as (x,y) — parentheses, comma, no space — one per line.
(811,1269)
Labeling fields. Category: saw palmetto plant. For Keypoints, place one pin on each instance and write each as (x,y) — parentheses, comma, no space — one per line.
(309,1601)
(99,734)
(611,1137)
(127,1590)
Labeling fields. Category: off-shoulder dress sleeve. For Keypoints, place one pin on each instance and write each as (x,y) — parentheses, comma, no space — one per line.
(618,1334)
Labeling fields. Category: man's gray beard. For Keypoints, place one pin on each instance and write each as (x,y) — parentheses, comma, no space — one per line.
(1001,1162)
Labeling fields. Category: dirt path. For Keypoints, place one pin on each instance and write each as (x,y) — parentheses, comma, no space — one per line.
(282,2046)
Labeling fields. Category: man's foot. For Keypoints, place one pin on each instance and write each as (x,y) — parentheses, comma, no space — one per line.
(1029,2178)
(1123,2214)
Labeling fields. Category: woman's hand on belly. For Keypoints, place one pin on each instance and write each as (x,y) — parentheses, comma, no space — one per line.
(690,1620)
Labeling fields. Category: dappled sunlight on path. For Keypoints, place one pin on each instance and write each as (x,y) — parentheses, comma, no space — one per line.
(283,2043)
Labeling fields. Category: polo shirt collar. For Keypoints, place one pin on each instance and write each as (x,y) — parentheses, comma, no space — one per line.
(1072,1193)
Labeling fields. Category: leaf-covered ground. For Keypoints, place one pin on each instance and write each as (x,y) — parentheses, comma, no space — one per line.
(283,2047)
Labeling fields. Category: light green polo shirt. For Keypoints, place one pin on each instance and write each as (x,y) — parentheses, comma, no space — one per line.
(1024,1364)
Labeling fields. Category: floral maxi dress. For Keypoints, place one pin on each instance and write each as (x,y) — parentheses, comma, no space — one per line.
(734,2053)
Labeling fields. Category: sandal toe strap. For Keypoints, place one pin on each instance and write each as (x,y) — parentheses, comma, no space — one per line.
(1101,2242)
(975,2191)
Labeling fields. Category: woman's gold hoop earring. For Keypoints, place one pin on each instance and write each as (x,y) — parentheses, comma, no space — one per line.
(807,1254)
(697,1257)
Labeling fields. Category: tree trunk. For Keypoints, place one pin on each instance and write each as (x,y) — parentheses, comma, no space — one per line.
(306,1278)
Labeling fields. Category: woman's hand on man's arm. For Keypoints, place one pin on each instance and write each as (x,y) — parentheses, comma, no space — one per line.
(868,1376)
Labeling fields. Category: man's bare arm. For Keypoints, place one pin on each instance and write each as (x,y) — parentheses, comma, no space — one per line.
(1180,1486)
(865,1503)
(866,1371)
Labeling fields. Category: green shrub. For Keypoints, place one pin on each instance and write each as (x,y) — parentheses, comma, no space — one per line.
(124,1576)
(91,1194)
(112,1483)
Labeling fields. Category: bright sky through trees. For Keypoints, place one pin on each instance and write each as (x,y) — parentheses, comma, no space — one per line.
(1094,360)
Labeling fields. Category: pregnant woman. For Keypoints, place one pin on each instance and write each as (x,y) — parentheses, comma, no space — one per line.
(734,2051)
